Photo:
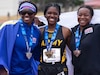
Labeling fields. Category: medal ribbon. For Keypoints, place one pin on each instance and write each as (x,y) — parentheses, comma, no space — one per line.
(29,45)
(49,45)
(78,35)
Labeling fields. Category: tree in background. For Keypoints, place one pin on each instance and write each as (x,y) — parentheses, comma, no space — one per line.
(66,4)
(71,4)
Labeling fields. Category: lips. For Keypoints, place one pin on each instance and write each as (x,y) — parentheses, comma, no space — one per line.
(26,18)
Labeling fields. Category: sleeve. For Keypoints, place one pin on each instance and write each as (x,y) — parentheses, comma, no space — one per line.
(36,59)
(72,41)
(35,67)
(37,52)
(37,49)
(36,55)
(3,48)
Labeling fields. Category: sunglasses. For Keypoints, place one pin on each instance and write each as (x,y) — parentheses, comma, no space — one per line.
(26,12)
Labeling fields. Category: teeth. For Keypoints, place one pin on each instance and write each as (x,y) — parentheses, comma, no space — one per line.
(82,21)
(26,18)
(51,19)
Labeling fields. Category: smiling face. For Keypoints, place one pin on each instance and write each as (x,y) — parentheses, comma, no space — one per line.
(52,15)
(84,16)
(27,16)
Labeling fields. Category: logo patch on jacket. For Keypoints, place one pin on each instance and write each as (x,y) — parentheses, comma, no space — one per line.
(88,30)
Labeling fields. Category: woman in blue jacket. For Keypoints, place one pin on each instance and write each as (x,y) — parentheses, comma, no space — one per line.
(20,43)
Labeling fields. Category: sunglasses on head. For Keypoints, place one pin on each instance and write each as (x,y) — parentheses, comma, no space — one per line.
(26,12)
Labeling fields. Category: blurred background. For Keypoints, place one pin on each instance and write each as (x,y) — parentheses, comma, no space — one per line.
(8,8)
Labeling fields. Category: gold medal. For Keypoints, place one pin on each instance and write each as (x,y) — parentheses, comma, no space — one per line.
(49,54)
(28,55)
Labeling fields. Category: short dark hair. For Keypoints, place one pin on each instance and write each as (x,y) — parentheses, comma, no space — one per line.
(88,7)
(53,5)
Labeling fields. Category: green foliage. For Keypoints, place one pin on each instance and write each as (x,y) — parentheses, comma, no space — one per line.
(75,2)
(78,2)
(64,3)
(48,1)
(36,1)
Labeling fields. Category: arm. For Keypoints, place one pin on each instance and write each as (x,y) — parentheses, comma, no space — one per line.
(37,49)
(3,71)
(38,22)
(67,35)
(36,55)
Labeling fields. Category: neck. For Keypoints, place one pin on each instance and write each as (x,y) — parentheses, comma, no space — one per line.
(28,24)
(51,27)
(81,28)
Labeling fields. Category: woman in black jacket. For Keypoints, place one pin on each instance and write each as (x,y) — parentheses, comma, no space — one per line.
(85,44)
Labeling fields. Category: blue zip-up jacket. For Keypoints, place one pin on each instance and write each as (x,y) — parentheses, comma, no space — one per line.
(7,38)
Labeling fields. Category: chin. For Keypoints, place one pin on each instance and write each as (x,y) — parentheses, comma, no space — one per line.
(52,23)
(26,21)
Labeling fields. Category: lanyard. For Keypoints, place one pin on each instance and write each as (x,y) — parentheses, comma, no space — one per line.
(49,45)
(28,45)
(77,38)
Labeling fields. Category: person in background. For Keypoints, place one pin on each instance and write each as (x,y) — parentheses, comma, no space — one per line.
(85,44)
(53,42)
(20,43)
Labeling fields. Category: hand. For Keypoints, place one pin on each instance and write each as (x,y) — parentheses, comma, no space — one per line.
(38,22)
(3,71)
(77,52)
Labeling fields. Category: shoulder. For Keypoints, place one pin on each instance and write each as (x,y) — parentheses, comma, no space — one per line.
(96,26)
(66,30)
(9,29)
(74,28)
(8,24)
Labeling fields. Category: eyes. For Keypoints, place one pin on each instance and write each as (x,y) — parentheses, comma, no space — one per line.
(55,13)
(85,15)
(84,12)
(26,12)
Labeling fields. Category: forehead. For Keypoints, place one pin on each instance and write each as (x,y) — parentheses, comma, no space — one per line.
(84,10)
(52,8)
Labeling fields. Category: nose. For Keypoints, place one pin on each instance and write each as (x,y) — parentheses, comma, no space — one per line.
(82,16)
(52,15)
